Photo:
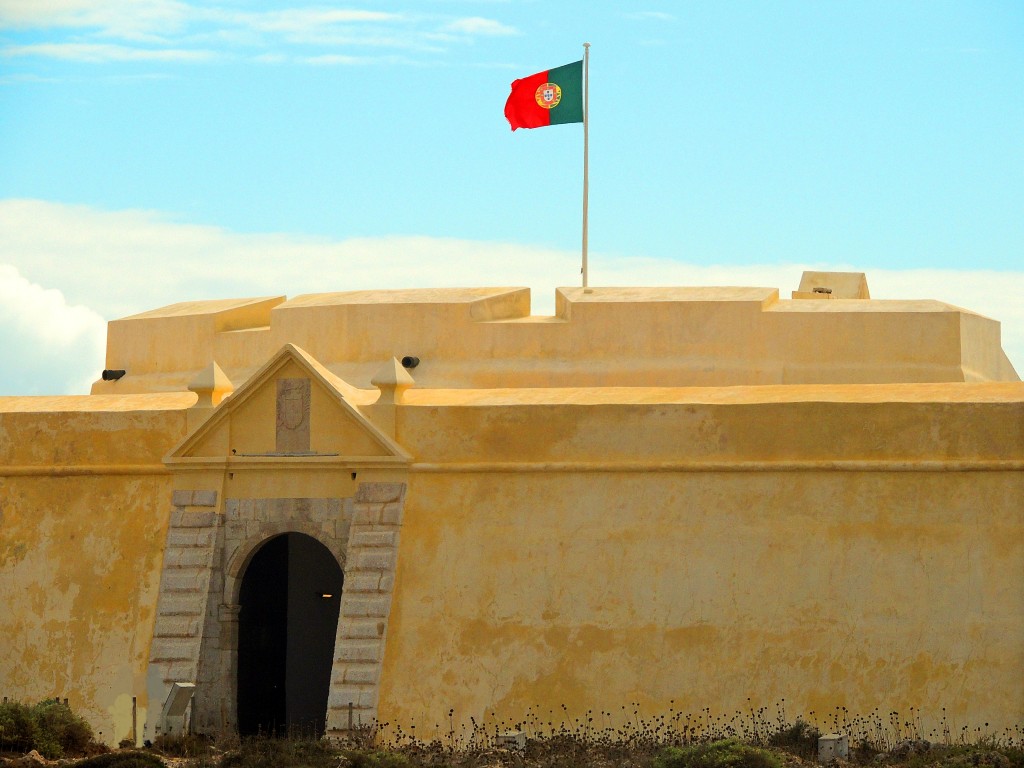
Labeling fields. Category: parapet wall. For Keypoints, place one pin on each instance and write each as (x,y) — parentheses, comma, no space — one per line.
(486,338)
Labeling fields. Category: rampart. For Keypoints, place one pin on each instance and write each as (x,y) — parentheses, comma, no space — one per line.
(689,495)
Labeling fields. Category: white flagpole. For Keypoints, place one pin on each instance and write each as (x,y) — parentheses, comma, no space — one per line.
(586,169)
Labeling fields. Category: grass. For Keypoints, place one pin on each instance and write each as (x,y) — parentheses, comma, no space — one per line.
(670,740)
(597,739)
(131,759)
(727,753)
(570,751)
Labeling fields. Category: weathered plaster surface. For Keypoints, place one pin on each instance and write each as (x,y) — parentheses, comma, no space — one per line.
(80,560)
(856,589)
(686,495)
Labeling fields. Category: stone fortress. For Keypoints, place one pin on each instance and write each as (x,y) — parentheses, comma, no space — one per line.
(317,511)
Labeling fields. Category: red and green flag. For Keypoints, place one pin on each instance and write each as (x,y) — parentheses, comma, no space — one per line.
(551,97)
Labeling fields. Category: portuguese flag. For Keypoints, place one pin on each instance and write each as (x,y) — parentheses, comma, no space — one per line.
(552,97)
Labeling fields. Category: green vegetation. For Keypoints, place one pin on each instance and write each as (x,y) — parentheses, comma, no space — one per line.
(727,753)
(595,740)
(131,759)
(281,753)
(184,745)
(49,727)
(799,739)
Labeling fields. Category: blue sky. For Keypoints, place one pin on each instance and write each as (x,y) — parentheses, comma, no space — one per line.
(160,150)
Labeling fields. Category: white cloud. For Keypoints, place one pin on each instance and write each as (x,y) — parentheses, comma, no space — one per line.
(477,25)
(306,19)
(123,262)
(655,15)
(129,19)
(50,346)
(95,53)
(332,59)
(170,30)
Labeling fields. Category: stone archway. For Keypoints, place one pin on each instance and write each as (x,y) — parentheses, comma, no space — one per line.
(195,637)
(289,602)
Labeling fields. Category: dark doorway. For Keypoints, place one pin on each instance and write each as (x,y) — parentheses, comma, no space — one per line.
(290,597)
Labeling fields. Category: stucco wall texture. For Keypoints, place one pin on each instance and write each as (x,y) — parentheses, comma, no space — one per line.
(585,523)
(83,518)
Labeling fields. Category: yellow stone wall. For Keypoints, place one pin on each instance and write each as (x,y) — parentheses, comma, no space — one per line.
(83,518)
(583,557)
(583,524)
(825,589)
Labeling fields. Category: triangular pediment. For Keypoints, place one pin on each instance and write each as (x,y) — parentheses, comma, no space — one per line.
(292,408)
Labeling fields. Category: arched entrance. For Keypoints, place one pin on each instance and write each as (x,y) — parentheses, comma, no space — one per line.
(289,599)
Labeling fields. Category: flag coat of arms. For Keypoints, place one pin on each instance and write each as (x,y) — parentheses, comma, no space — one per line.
(551,97)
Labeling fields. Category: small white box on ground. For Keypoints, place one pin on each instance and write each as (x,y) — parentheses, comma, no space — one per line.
(832,746)
(511,740)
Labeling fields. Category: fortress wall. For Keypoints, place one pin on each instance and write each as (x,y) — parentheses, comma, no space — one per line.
(855,589)
(878,581)
(754,427)
(84,506)
(833,546)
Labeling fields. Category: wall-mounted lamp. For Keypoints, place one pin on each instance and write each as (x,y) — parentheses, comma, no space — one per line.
(410,362)
(325,595)
(111,375)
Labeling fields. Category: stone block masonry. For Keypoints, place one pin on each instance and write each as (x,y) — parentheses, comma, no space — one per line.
(196,635)
(365,606)
(184,587)
(247,524)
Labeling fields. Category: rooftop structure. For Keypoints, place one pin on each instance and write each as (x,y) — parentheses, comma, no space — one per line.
(486,338)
